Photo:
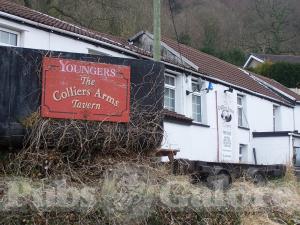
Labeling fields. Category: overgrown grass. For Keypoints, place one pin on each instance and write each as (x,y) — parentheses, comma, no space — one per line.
(146,193)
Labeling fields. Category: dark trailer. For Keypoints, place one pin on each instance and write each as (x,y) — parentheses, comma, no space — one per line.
(221,174)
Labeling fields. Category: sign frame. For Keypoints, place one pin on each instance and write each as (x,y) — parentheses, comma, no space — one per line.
(83,90)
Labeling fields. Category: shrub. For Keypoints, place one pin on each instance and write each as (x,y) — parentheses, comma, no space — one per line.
(285,73)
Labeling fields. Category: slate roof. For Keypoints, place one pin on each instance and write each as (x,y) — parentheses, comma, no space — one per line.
(278,58)
(41,18)
(217,68)
(176,116)
(279,86)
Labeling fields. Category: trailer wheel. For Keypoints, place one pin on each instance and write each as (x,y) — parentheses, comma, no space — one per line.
(259,179)
(256,176)
(219,182)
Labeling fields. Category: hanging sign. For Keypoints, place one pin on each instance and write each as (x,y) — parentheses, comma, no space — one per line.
(74,89)
(226,124)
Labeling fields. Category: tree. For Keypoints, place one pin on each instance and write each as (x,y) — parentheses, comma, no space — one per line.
(185,38)
(211,32)
(271,28)
(28,3)
(268,26)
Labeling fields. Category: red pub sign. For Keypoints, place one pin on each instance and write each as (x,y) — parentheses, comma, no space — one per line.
(74,89)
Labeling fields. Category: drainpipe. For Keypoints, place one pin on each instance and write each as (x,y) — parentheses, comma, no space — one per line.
(294,121)
(217,120)
(291,152)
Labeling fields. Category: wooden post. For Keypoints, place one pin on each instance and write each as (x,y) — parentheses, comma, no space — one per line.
(156,30)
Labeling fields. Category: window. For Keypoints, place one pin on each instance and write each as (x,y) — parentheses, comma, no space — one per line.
(95,52)
(8,38)
(243,154)
(241,111)
(170,86)
(196,103)
(275,117)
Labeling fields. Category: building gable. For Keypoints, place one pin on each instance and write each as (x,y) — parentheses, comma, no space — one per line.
(144,40)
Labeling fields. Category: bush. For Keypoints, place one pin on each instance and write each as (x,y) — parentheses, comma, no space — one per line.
(285,73)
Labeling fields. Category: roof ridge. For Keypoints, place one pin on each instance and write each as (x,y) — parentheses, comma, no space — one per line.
(262,82)
(44,14)
(286,91)
(206,54)
(14,3)
(275,54)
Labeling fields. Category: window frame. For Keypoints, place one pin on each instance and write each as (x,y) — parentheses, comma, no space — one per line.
(10,32)
(243,153)
(197,93)
(240,153)
(275,117)
(171,87)
(242,107)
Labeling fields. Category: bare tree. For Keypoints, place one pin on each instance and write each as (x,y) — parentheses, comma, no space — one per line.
(273,26)
(270,26)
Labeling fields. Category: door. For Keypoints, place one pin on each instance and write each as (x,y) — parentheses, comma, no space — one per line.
(297,156)
(243,157)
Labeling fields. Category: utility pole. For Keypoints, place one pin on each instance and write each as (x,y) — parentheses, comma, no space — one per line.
(156,30)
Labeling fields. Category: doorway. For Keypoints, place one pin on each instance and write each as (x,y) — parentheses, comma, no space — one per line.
(243,153)
(297,157)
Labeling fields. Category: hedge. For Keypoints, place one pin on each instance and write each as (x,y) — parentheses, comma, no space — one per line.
(285,73)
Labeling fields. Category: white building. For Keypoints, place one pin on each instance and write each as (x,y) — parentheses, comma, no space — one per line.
(240,113)
(255,59)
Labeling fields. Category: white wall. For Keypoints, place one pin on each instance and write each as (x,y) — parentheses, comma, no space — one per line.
(254,63)
(201,143)
(287,119)
(194,142)
(297,117)
(272,150)
(260,114)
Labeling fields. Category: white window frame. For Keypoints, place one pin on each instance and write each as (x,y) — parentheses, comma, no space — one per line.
(243,111)
(197,93)
(12,32)
(275,116)
(243,153)
(168,86)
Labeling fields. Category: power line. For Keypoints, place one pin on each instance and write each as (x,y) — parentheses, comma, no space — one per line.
(156,30)
(175,30)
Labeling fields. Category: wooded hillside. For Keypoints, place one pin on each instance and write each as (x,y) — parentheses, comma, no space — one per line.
(228,29)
